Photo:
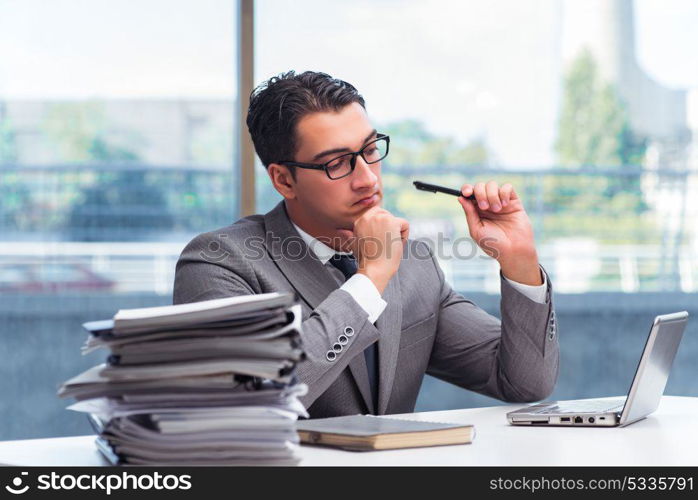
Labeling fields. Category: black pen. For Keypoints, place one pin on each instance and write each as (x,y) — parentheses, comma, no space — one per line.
(433,188)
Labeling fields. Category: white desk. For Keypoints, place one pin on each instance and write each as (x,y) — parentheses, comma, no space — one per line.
(667,437)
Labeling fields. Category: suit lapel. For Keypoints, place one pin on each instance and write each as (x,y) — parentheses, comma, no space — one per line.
(389,326)
(309,277)
(295,260)
(360,372)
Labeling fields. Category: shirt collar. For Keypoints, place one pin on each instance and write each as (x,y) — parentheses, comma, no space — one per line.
(321,251)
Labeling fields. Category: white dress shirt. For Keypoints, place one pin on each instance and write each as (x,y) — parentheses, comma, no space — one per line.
(365,293)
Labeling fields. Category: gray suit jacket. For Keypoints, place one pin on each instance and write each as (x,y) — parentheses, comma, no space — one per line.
(425,328)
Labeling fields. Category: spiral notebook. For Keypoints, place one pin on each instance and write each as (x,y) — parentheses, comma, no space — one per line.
(369,432)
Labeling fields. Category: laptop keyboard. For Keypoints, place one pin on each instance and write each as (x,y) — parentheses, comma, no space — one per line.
(590,406)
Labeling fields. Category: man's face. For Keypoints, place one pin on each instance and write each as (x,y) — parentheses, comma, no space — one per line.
(328,206)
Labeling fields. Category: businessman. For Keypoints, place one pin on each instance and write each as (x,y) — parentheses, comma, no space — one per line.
(377,311)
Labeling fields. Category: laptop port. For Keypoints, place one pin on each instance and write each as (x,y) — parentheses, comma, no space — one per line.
(602,418)
(564,419)
(578,420)
(592,420)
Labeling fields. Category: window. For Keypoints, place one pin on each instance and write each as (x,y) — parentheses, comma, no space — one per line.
(117,139)
(586,107)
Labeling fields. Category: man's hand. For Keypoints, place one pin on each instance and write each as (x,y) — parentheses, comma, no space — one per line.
(378,243)
(500,226)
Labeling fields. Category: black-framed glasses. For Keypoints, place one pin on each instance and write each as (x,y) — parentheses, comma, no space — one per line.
(343,165)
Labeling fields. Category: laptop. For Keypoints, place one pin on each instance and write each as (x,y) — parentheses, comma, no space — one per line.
(643,397)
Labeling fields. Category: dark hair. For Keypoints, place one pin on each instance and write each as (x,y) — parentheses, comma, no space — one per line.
(277,105)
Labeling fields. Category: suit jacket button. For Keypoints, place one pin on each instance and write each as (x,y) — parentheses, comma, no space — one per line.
(337,347)
(348,331)
(331,356)
(342,339)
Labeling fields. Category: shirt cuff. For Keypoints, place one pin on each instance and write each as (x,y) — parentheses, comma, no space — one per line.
(534,292)
(365,293)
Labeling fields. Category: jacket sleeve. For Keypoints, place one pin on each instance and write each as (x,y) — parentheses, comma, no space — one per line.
(515,359)
(202,276)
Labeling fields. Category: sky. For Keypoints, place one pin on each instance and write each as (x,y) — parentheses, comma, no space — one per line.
(470,69)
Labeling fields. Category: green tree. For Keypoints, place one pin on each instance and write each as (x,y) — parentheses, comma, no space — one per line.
(594,128)
(411,144)
(122,204)
(126,207)
(79,133)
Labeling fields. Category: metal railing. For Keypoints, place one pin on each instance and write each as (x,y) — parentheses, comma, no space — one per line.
(150,267)
(598,229)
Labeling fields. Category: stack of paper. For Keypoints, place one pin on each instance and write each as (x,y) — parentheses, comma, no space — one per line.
(209,383)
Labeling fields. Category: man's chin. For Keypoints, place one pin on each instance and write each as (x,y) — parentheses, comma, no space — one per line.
(346,237)
(345,233)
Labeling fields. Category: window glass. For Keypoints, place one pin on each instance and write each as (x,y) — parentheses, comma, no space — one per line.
(116,148)
(588,107)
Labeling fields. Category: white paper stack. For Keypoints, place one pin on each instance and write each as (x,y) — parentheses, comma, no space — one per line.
(209,383)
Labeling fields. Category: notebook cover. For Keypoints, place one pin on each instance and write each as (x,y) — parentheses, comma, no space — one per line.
(369,425)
